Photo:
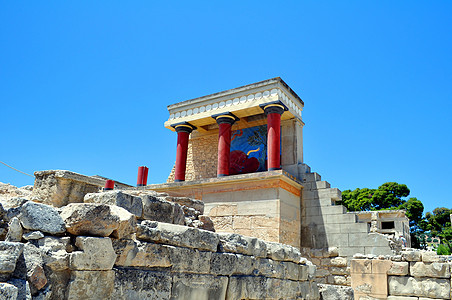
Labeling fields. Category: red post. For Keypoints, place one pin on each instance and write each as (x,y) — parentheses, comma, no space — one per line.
(224,122)
(274,112)
(109,185)
(183,133)
(142,176)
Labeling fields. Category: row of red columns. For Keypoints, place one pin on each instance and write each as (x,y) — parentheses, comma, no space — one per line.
(225,121)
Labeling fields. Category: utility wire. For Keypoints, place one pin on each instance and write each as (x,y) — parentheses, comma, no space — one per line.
(16,169)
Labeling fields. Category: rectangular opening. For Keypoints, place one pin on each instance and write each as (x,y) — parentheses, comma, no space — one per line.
(387,225)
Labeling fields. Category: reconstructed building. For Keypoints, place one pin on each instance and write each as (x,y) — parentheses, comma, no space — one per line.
(240,151)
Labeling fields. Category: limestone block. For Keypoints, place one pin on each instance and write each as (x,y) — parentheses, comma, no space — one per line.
(89,219)
(241,222)
(322,272)
(338,262)
(178,235)
(30,267)
(189,202)
(132,284)
(95,285)
(134,253)
(279,288)
(57,285)
(127,223)
(245,264)
(235,243)
(291,270)
(23,289)
(334,292)
(37,216)
(302,272)
(430,256)
(350,251)
(54,252)
(198,287)
(421,287)
(8,291)
(399,268)
(411,255)
(223,263)
(381,266)
(270,268)
(189,260)
(221,210)
(156,209)
(337,280)
(130,203)
(339,271)
(15,231)
(277,251)
(246,287)
(436,270)
(97,254)
(33,235)
(374,285)
(9,254)
(361,266)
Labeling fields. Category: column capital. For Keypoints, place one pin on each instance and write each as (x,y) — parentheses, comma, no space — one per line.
(183,127)
(225,117)
(274,107)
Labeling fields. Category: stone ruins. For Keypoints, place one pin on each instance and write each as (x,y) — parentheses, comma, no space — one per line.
(241,216)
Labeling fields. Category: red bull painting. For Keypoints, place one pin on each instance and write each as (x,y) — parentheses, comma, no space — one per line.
(248,150)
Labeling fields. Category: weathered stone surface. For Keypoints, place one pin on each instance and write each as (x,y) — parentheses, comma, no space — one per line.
(436,270)
(34,235)
(430,256)
(205,222)
(60,187)
(411,255)
(9,254)
(54,252)
(89,219)
(404,298)
(178,235)
(133,253)
(135,284)
(223,263)
(189,260)
(198,287)
(277,251)
(334,292)
(45,218)
(245,264)
(246,287)
(15,231)
(98,254)
(95,285)
(338,262)
(23,289)
(130,203)
(235,243)
(188,202)
(8,291)
(399,268)
(291,270)
(422,287)
(30,266)
(156,209)
(269,268)
(57,283)
(127,223)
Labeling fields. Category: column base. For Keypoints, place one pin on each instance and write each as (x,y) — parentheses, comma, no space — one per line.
(108,189)
(222,175)
(274,169)
(178,180)
(141,185)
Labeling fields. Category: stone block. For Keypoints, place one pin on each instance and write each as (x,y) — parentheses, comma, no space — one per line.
(37,216)
(221,210)
(430,256)
(361,266)
(353,228)
(337,279)
(198,287)
(399,268)
(436,270)
(411,255)
(223,263)
(130,203)
(91,285)
(269,268)
(350,251)
(241,222)
(134,253)
(246,287)
(8,291)
(127,223)
(381,266)
(23,289)
(421,287)
(9,254)
(334,292)
(339,271)
(374,285)
(303,272)
(223,224)
(132,284)
(402,298)
(283,252)
(291,270)
(156,209)
(322,272)
(197,205)
(332,210)
(189,260)
(89,219)
(97,254)
(245,264)
(15,231)
(235,243)
(177,235)
(338,262)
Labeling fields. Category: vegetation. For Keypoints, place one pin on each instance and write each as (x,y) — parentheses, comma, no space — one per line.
(392,195)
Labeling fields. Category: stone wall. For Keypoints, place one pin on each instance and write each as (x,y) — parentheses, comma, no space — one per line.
(134,245)
(413,275)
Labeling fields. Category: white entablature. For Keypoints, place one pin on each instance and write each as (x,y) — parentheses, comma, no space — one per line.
(242,101)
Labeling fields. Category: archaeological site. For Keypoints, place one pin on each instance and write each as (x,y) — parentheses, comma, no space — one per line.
(241,216)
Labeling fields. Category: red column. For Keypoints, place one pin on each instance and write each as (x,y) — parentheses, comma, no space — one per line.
(224,142)
(183,133)
(109,185)
(142,176)
(274,112)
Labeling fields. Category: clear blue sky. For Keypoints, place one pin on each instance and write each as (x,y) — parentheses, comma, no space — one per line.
(84,85)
